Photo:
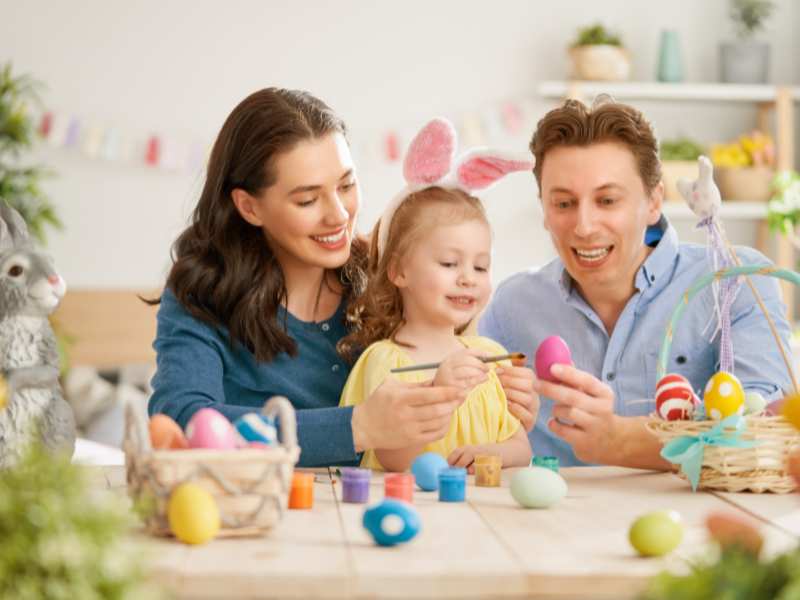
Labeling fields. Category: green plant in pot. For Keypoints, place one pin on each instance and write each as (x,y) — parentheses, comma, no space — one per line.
(678,161)
(746,60)
(598,54)
(64,539)
(783,210)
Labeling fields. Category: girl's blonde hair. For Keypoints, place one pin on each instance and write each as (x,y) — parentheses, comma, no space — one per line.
(377,313)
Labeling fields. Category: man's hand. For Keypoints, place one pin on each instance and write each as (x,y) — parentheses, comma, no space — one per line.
(584,407)
(398,415)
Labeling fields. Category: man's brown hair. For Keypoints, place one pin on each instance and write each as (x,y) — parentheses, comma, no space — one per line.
(575,124)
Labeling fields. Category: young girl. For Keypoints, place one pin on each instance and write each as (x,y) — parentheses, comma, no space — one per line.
(429,277)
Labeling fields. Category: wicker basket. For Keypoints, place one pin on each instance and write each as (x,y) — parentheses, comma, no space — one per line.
(761,468)
(250,486)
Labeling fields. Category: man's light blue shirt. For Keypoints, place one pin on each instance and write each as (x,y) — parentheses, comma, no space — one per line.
(534,304)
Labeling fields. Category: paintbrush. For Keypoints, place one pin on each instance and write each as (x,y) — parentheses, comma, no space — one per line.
(486,359)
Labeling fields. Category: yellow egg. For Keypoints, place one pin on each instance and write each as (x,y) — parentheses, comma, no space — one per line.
(193,514)
(724,396)
(791,409)
(3,393)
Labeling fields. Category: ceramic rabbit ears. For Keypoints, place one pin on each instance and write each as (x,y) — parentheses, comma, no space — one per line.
(13,230)
(430,162)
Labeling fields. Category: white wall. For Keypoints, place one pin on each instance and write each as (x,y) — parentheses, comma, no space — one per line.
(180,67)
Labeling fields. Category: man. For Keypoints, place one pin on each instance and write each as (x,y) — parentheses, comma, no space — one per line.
(619,274)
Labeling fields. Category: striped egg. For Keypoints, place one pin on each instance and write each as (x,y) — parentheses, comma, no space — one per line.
(254,427)
(675,399)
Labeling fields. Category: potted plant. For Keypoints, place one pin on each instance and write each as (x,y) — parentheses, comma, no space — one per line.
(62,538)
(746,60)
(744,169)
(783,210)
(678,161)
(598,54)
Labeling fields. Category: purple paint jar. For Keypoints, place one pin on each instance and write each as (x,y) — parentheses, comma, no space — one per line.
(355,485)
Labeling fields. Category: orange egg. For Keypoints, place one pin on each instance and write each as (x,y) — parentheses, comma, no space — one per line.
(166,434)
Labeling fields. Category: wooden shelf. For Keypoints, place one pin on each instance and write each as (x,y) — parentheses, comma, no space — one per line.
(652,90)
(729,210)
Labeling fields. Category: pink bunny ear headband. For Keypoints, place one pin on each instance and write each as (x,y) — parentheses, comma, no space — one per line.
(429,163)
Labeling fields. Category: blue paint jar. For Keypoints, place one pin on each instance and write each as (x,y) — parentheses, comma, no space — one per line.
(355,485)
(452,484)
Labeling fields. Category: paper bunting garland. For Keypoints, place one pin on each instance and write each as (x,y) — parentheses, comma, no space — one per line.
(163,151)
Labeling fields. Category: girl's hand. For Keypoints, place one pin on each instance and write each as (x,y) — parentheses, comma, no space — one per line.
(465,457)
(462,369)
(518,383)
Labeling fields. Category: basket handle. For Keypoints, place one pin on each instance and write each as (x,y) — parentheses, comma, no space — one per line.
(137,434)
(699,284)
(280,407)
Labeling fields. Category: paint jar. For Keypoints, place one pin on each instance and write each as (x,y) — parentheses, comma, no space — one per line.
(452,484)
(487,470)
(355,485)
(302,492)
(548,462)
(399,485)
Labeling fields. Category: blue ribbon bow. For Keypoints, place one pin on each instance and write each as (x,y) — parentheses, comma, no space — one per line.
(687,451)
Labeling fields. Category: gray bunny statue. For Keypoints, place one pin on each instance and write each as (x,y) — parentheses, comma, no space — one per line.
(30,289)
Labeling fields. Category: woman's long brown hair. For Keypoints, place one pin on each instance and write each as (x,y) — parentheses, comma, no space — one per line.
(223,271)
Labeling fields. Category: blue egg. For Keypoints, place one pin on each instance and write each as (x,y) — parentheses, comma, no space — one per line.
(426,468)
(257,428)
(392,522)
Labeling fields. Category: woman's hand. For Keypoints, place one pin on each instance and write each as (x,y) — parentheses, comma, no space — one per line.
(518,384)
(462,369)
(399,415)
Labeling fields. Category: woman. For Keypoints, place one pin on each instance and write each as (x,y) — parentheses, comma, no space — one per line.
(254,303)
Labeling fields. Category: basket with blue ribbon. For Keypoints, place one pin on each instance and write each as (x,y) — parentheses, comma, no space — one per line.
(724,442)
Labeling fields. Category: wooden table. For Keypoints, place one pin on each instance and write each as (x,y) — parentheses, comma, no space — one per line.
(487,547)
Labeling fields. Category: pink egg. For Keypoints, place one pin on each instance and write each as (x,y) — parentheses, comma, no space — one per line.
(553,350)
(209,429)
(675,398)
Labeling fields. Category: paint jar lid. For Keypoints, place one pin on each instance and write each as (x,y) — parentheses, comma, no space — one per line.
(400,479)
(453,474)
(488,460)
(356,474)
(302,480)
(548,462)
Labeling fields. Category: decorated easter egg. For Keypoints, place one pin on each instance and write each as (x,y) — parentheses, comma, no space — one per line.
(790,409)
(553,350)
(656,533)
(675,399)
(208,428)
(538,487)
(730,530)
(426,468)
(254,427)
(192,514)
(392,522)
(754,403)
(723,396)
(166,434)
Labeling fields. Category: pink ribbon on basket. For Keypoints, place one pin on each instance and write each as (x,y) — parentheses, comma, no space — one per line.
(724,292)
(688,450)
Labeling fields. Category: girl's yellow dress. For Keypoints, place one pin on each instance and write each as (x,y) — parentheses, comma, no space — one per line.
(483,418)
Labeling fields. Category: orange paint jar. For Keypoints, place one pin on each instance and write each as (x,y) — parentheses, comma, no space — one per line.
(302,492)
